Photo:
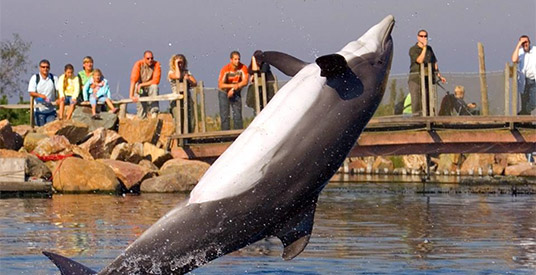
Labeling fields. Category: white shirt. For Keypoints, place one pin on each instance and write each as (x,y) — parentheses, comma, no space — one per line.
(527,62)
(45,87)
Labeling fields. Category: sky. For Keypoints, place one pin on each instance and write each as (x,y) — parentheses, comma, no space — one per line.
(116,33)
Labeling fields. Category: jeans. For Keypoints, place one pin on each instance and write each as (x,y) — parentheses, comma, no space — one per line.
(43,117)
(528,97)
(235,103)
(148,107)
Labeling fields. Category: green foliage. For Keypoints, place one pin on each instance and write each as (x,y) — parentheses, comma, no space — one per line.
(14,62)
(398,161)
(15,116)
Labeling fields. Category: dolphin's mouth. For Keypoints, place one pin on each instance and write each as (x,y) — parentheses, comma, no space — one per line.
(387,35)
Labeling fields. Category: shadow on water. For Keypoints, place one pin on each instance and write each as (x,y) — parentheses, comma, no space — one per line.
(364,227)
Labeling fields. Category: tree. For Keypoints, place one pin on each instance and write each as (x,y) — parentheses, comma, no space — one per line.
(14,63)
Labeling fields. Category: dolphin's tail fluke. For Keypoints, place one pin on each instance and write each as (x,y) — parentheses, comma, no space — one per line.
(68,266)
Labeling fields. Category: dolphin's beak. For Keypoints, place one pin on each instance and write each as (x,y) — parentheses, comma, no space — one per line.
(374,40)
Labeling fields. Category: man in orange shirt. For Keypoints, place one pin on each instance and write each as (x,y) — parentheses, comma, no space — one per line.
(144,81)
(233,77)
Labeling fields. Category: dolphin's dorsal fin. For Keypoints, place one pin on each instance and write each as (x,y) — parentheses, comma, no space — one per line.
(295,233)
(287,64)
(332,65)
(68,266)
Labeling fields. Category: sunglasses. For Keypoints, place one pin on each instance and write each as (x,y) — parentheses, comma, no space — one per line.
(45,67)
(423,35)
(149,58)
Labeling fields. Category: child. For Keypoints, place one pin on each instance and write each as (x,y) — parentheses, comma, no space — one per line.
(68,89)
(98,90)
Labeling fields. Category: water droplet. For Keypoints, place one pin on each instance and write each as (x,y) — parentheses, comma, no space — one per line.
(169,44)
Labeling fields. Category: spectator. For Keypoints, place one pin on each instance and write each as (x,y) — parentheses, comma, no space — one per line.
(68,90)
(178,72)
(144,81)
(85,74)
(97,90)
(233,77)
(256,67)
(42,87)
(525,55)
(454,105)
(421,53)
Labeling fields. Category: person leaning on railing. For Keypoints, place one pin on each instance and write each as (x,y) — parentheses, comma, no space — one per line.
(178,72)
(525,55)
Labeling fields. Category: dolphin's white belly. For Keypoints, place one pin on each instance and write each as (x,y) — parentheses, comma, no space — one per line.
(241,165)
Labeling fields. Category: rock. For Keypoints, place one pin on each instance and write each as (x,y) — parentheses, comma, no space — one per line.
(501,162)
(476,161)
(129,152)
(355,164)
(448,162)
(382,163)
(172,182)
(31,140)
(22,130)
(52,145)
(513,159)
(194,168)
(155,155)
(522,169)
(9,139)
(168,128)
(101,143)
(74,131)
(34,168)
(140,130)
(148,164)
(107,121)
(79,175)
(415,162)
(128,173)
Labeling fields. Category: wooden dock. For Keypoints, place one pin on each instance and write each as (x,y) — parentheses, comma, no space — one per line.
(398,135)
(9,189)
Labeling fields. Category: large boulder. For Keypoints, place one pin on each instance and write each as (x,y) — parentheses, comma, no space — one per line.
(74,131)
(129,152)
(155,155)
(168,128)
(415,162)
(193,168)
(172,182)
(56,147)
(382,163)
(9,139)
(513,159)
(474,162)
(101,143)
(131,175)
(522,169)
(32,139)
(107,120)
(448,162)
(140,130)
(79,175)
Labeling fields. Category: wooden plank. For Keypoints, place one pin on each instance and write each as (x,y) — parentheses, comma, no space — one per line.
(12,169)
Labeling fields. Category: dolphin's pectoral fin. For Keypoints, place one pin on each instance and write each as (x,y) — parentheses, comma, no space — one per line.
(68,266)
(332,65)
(287,64)
(296,232)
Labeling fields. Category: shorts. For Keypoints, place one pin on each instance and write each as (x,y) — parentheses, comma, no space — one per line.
(93,100)
(69,100)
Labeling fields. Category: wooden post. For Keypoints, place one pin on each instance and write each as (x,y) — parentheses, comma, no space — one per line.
(196,111)
(184,88)
(177,111)
(483,82)
(256,90)
(432,95)
(32,120)
(507,89)
(276,85)
(515,88)
(122,110)
(264,90)
(424,98)
(203,120)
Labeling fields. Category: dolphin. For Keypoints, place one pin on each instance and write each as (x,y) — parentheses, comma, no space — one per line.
(268,181)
